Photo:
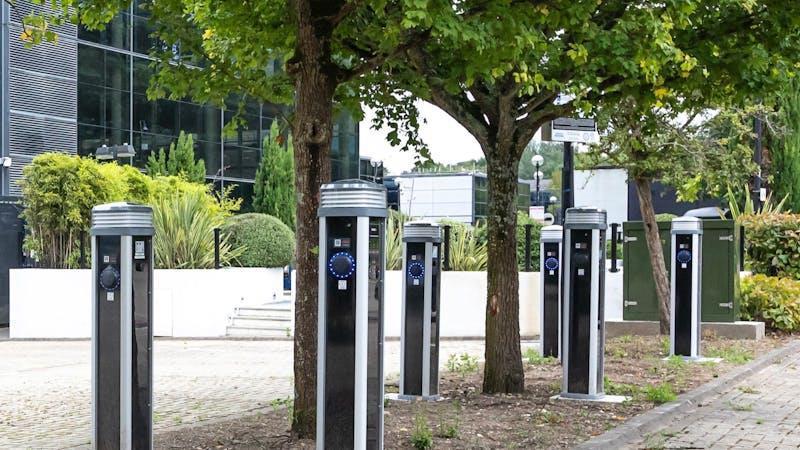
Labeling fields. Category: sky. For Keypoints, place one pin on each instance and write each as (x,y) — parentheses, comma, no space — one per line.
(448,141)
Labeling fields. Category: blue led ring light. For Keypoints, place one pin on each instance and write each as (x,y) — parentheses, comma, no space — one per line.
(551,263)
(684,256)
(347,272)
(420,270)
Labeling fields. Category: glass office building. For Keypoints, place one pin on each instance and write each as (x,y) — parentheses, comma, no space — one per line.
(97,83)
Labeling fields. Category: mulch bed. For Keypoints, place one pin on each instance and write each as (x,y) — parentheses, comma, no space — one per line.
(468,419)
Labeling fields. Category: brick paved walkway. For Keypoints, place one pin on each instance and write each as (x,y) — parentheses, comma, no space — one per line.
(760,412)
(45,387)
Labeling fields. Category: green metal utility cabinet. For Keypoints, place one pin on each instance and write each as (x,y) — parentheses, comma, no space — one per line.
(720,276)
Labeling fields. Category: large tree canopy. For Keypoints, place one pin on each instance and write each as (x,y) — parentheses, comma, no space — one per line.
(304,52)
(506,67)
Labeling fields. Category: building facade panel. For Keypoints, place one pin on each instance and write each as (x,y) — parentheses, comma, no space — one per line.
(90,89)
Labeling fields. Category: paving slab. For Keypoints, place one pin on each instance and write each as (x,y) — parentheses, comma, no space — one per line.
(756,406)
(45,386)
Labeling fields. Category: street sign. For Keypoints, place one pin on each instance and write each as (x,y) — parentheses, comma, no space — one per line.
(536,213)
(565,129)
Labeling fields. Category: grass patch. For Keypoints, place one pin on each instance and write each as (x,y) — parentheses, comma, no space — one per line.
(734,354)
(463,364)
(676,363)
(613,388)
(535,359)
(550,417)
(660,393)
(740,406)
(664,344)
(748,390)
(448,428)
(658,441)
(421,437)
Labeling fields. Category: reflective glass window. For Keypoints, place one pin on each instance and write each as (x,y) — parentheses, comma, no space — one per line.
(115,34)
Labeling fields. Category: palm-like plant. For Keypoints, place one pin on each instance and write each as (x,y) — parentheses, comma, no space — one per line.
(184,233)
(467,252)
(394,240)
(767,207)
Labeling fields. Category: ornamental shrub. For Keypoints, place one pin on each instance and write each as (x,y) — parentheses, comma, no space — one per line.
(178,161)
(773,244)
(267,242)
(184,238)
(468,248)
(773,300)
(273,190)
(59,192)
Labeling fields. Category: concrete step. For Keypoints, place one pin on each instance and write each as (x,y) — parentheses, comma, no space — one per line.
(271,331)
(263,311)
(260,322)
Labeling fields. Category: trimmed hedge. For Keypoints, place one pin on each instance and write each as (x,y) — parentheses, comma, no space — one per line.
(773,300)
(773,244)
(267,241)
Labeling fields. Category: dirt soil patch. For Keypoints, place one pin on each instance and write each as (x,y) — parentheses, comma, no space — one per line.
(465,418)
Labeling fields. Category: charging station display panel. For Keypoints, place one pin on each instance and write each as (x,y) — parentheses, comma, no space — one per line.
(552,274)
(580,310)
(434,344)
(340,331)
(415,317)
(375,330)
(108,318)
(683,294)
(142,342)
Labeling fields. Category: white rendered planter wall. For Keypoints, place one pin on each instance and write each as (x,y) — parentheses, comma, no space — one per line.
(51,303)
(463,304)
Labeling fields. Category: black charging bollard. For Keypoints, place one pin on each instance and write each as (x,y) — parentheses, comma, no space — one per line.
(550,290)
(419,340)
(352,227)
(122,332)
(584,300)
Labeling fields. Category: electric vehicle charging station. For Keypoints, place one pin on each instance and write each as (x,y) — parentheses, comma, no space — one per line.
(584,300)
(419,339)
(551,238)
(686,288)
(352,222)
(122,332)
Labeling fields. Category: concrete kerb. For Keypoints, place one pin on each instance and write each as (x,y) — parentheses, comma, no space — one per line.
(657,419)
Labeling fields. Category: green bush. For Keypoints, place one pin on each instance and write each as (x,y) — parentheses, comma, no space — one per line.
(773,244)
(665,217)
(59,192)
(267,241)
(178,161)
(273,189)
(775,301)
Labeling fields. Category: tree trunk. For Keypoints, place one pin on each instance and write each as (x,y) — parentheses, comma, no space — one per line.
(655,250)
(312,131)
(503,371)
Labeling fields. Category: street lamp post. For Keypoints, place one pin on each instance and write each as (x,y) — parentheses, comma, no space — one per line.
(537,161)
